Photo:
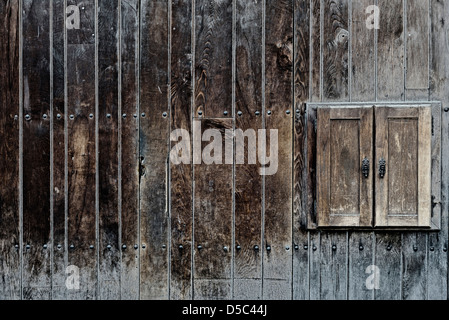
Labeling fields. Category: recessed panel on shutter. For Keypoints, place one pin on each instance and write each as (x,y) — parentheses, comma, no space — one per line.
(403,166)
(344,167)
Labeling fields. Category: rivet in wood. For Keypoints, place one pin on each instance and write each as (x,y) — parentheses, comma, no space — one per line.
(45,117)
(334,247)
(361,248)
(109,247)
(109,116)
(72,246)
(124,116)
(164,247)
(144,246)
(16,246)
(239,248)
(225,249)
(200,113)
(306,247)
(288,112)
(124,247)
(59,247)
(268,248)
(389,247)
(287,248)
(200,247)
(446,109)
(256,248)
(415,248)
(298,111)
(240,113)
(27,117)
(45,247)
(91,116)
(136,247)
(143,115)
(164,115)
(445,249)
(180,247)
(269,112)
(135,116)
(314,248)
(296,247)
(28,247)
(91,247)
(226,113)
(432,249)
(59,117)
(16,117)
(257,113)
(72,117)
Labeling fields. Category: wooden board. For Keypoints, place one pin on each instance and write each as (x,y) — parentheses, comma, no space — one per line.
(279,59)
(360,258)
(248,181)
(129,149)
(154,143)
(439,60)
(315,50)
(213,58)
(302,86)
(414,266)
(81,155)
(36,150)
(59,289)
(10,233)
(213,218)
(314,249)
(390,51)
(417,44)
(335,50)
(181,179)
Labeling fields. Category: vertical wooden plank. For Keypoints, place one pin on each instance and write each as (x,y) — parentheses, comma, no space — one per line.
(315,50)
(80,153)
(314,249)
(129,142)
(36,153)
(248,181)
(333,267)
(213,217)
(417,47)
(10,265)
(360,250)
(363,53)
(363,82)
(58,142)
(414,266)
(109,251)
(390,53)
(335,50)
(213,58)
(277,258)
(437,268)
(388,261)
(302,85)
(154,138)
(181,174)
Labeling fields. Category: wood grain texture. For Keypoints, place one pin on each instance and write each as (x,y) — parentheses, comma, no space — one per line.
(129,149)
(439,76)
(81,158)
(362,66)
(360,258)
(314,249)
(36,154)
(414,266)
(59,265)
(181,182)
(10,260)
(248,181)
(335,50)
(315,50)
(390,52)
(417,48)
(213,219)
(333,266)
(213,58)
(301,96)
(277,262)
(154,143)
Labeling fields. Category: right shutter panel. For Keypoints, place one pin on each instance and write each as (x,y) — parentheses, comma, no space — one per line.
(403,143)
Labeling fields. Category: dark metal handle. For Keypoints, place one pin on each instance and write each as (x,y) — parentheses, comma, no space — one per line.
(365,168)
(382,168)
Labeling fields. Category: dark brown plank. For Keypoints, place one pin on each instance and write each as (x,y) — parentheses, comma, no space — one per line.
(277,262)
(10,267)
(154,80)
(36,152)
(213,58)
(59,289)
(81,157)
(390,52)
(129,151)
(302,85)
(109,251)
(439,61)
(213,217)
(181,174)
(335,50)
(315,52)
(248,181)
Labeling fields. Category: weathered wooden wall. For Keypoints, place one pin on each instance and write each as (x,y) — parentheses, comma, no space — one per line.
(85,120)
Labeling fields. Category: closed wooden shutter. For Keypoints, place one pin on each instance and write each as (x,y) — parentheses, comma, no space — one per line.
(344,142)
(403,152)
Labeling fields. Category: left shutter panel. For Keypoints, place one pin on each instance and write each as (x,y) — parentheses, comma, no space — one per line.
(344,144)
